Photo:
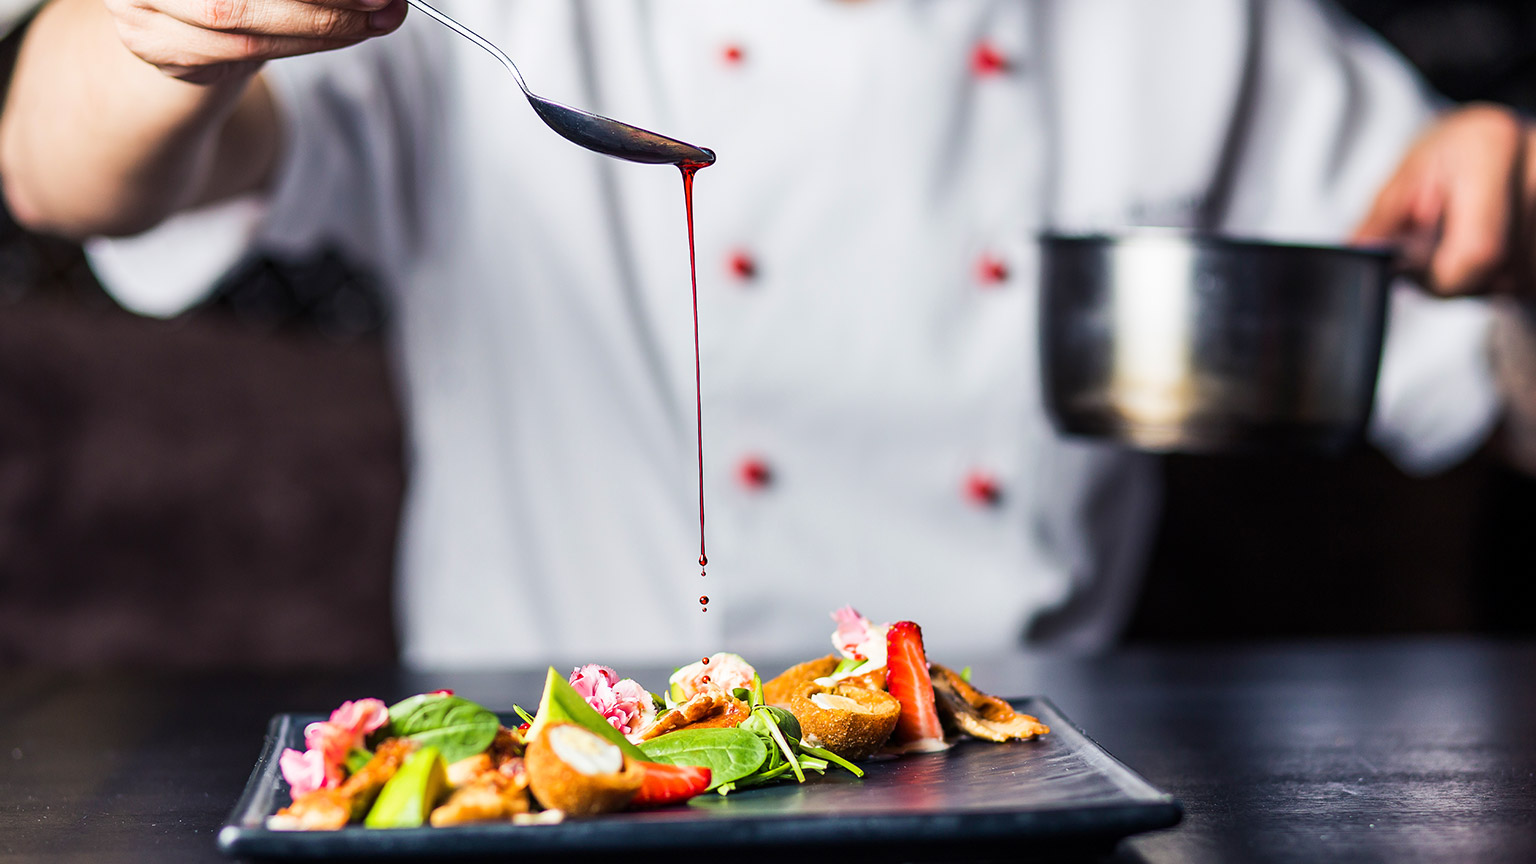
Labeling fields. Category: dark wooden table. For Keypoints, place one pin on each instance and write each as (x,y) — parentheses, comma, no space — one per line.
(1378,751)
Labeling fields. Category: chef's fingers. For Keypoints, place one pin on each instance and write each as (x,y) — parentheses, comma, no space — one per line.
(1406,214)
(1482,169)
(304,19)
(195,54)
(1392,212)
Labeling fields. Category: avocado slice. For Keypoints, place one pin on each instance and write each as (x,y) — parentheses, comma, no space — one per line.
(408,797)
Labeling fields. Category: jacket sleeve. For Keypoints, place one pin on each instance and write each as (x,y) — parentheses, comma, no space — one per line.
(347,179)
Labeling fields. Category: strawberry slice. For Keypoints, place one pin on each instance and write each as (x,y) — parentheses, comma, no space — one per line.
(661,784)
(906,677)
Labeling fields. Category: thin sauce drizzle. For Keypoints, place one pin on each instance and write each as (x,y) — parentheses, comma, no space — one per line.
(689,169)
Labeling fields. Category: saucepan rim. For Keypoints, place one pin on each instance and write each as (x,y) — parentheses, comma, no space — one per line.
(1206,239)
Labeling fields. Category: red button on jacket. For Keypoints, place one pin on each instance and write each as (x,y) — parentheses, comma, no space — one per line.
(741,265)
(987,60)
(754,473)
(983,489)
(991,270)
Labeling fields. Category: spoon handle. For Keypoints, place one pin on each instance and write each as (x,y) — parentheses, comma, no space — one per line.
(474,37)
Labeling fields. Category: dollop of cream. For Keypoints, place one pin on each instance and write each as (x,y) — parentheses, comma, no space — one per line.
(584,752)
(834,702)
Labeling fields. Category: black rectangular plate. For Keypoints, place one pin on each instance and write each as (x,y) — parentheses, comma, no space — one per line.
(1059,794)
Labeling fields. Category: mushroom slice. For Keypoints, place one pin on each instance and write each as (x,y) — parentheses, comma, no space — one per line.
(977,714)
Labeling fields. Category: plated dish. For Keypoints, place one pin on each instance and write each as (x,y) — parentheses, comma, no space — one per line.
(859,744)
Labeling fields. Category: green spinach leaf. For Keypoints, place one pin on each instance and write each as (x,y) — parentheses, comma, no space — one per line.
(831,757)
(729,754)
(457,727)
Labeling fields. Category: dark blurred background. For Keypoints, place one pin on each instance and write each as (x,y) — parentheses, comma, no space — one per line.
(222,490)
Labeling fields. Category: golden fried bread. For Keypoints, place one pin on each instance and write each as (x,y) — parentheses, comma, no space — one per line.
(852,722)
(575,771)
(782,688)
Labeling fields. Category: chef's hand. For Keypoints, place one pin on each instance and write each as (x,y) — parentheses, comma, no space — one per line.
(1463,205)
(204,41)
(122,112)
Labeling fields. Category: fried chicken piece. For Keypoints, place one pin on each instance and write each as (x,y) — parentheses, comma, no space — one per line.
(334,808)
(321,810)
(464,771)
(506,746)
(975,713)
(495,795)
(706,710)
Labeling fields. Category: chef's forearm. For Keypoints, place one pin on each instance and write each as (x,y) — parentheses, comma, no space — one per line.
(94,140)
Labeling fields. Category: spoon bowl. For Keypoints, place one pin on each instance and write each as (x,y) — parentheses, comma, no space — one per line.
(593,131)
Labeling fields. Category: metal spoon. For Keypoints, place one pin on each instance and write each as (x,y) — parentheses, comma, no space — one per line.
(592,131)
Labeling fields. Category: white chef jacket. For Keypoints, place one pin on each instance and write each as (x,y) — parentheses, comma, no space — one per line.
(873,429)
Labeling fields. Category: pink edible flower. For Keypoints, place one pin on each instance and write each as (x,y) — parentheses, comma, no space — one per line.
(852,632)
(329,742)
(363,716)
(308,771)
(626,705)
(722,672)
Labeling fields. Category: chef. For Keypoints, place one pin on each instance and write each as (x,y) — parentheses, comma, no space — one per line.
(872,425)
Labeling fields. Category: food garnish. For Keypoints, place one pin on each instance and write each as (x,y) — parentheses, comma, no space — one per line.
(561,703)
(729,754)
(457,727)
(600,743)
(334,807)
(721,672)
(332,747)
(918,729)
(664,784)
(626,705)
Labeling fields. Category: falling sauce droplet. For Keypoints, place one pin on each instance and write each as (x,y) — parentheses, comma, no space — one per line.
(705,679)
(703,601)
(705,661)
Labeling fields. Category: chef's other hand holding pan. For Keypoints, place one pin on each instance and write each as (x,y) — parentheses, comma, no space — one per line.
(1463,202)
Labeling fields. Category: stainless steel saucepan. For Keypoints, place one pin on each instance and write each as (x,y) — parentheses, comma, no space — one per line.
(1174,341)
